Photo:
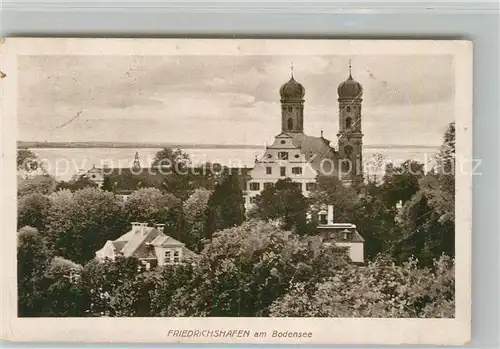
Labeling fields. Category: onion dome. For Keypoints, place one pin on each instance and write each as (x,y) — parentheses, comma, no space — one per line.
(292,90)
(350,88)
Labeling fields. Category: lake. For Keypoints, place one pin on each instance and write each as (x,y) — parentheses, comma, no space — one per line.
(63,163)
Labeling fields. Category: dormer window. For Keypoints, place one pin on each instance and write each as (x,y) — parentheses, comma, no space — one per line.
(346,234)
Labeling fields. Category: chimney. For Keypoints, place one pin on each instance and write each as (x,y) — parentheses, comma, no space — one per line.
(330,214)
(136,226)
(160,227)
(143,227)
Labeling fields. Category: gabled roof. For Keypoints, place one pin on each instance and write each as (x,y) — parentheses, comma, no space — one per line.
(139,237)
(139,242)
(316,149)
(164,240)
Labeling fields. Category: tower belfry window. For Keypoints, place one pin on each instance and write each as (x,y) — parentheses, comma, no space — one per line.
(348,108)
(290,123)
(348,122)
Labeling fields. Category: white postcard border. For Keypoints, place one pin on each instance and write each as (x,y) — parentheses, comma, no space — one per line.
(154,330)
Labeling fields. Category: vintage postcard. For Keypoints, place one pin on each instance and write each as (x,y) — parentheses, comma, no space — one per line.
(236,191)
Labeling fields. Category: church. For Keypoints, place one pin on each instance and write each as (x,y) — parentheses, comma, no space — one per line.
(301,157)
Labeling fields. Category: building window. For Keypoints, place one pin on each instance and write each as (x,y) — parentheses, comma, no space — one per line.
(253,199)
(348,123)
(346,166)
(269,170)
(298,185)
(310,186)
(254,186)
(177,256)
(283,141)
(323,218)
(146,264)
(283,155)
(297,170)
(290,109)
(168,256)
(283,171)
(348,108)
(268,185)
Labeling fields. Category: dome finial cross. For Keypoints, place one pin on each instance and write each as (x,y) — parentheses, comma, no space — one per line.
(350,66)
(291,69)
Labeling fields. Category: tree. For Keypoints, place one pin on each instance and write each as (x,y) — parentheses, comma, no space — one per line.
(32,210)
(149,205)
(439,186)
(283,201)
(33,258)
(378,290)
(62,293)
(101,279)
(428,219)
(80,223)
(331,191)
(44,184)
(242,270)
(107,184)
(28,164)
(226,206)
(374,220)
(400,183)
(195,216)
(173,159)
(170,282)
(78,183)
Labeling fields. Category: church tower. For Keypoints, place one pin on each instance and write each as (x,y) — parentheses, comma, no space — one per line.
(350,136)
(292,106)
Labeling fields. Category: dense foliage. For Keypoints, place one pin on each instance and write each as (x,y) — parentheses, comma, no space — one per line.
(283,201)
(377,290)
(266,263)
(225,207)
(80,223)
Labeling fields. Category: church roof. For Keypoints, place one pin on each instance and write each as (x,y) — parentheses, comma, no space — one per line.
(317,149)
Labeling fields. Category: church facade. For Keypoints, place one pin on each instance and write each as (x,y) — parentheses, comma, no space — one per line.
(302,158)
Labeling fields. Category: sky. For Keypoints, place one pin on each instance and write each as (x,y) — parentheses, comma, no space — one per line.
(407,100)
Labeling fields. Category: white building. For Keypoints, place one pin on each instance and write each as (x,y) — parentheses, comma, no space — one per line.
(342,235)
(148,244)
(300,157)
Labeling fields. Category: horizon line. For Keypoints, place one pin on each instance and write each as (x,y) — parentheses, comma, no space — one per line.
(159,145)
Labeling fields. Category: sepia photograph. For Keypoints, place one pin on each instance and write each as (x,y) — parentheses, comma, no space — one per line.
(239,191)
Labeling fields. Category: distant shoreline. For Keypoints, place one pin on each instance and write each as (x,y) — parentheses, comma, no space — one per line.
(131,145)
